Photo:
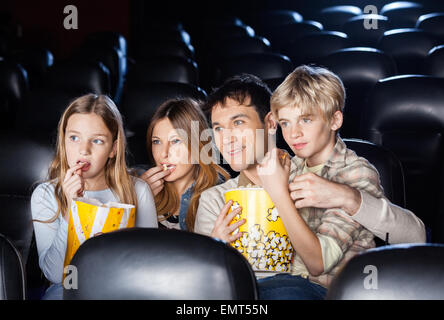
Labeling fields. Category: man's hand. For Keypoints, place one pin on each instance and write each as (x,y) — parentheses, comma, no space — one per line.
(310,190)
(222,228)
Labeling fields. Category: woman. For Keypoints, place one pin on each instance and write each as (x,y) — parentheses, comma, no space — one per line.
(184,167)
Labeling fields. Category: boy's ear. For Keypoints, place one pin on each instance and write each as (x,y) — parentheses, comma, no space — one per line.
(114,150)
(337,120)
(270,123)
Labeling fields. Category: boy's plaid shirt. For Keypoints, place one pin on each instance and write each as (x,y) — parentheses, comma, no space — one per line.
(344,167)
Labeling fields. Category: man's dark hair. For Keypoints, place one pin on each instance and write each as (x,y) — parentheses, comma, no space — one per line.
(240,88)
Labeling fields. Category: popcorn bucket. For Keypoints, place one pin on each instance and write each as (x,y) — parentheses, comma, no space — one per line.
(89,217)
(265,242)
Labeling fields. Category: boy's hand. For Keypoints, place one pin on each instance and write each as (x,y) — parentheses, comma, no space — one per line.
(73,184)
(222,229)
(310,190)
(155,178)
(273,171)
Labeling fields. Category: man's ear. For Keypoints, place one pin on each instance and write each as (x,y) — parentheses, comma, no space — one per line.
(270,123)
(114,150)
(337,121)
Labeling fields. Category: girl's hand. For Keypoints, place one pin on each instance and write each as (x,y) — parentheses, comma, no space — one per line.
(273,171)
(222,229)
(154,178)
(73,185)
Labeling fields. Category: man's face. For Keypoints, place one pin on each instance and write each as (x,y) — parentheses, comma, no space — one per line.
(238,133)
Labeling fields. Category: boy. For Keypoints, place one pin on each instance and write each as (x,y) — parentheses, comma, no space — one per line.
(241,105)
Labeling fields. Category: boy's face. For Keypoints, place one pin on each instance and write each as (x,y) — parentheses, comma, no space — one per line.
(309,135)
(238,133)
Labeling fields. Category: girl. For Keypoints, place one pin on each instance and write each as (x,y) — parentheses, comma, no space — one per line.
(179,178)
(89,162)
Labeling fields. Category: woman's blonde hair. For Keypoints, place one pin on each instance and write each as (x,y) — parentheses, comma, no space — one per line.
(182,113)
(310,88)
(117,176)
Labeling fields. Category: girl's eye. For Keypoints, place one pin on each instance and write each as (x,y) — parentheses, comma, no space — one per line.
(74,138)
(175,141)
(284,124)
(156,141)
(98,141)
(306,120)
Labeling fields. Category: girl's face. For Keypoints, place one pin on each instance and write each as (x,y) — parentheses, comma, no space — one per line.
(170,150)
(89,141)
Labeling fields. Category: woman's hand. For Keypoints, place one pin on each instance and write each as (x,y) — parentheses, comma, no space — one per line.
(155,178)
(222,228)
(73,185)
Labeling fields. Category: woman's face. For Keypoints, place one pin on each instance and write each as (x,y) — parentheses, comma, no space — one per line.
(170,150)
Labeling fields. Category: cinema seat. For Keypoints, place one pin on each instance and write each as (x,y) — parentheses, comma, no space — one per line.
(434,62)
(403,14)
(12,272)
(432,23)
(408,47)
(398,272)
(360,69)
(334,17)
(359,33)
(282,35)
(145,263)
(405,114)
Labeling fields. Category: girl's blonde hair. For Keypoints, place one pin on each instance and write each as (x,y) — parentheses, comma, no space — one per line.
(310,88)
(182,113)
(117,176)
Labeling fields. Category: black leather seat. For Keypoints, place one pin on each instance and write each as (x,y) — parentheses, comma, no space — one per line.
(315,45)
(388,165)
(359,69)
(85,76)
(432,23)
(409,48)
(357,29)
(160,264)
(138,106)
(12,272)
(36,61)
(400,272)
(280,36)
(237,46)
(164,69)
(164,48)
(434,63)
(13,88)
(334,17)
(403,14)
(263,65)
(267,19)
(405,114)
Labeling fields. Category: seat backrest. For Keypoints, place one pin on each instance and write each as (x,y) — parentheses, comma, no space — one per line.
(403,14)
(359,69)
(409,48)
(334,17)
(280,36)
(434,62)
(366,29)
(16,222)
(432,23)
(164,69)
(388,165)
(142,263)
(398,272)
(164,48)
(25,162)
(405,114)
(316,45)
(12,272)
(263,65)
(237,46)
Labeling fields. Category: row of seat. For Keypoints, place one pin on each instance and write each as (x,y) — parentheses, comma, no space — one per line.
(114,265)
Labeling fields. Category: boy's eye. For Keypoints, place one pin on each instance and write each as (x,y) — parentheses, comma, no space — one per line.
(306,120)
(284,124)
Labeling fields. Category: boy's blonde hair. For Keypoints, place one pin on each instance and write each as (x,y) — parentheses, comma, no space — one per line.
(310,88)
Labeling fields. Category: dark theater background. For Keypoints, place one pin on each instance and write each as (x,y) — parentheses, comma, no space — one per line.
(141,53)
